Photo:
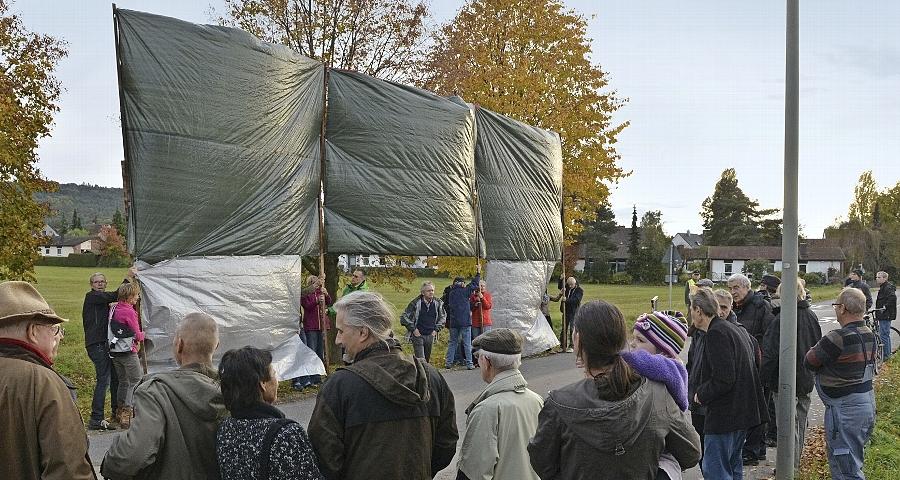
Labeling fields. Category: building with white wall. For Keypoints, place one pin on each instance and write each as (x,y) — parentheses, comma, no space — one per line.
(62,246)
(815,255)
(348,262)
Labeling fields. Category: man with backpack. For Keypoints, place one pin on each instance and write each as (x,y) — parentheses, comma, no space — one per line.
(423,318)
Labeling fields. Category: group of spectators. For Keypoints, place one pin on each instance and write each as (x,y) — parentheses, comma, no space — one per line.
(733,365)
(464,309)
(199,422)
(627,418)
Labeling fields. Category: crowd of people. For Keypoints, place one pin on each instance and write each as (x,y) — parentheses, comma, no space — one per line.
(638,412)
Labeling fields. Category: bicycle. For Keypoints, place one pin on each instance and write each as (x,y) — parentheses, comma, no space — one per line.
(872,323)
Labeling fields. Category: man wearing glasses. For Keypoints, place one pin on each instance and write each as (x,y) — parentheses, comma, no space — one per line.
(844,363)
(41,435)
(95,315)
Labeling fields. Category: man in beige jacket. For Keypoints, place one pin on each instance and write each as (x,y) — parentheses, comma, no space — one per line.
(503,417)
(41,432)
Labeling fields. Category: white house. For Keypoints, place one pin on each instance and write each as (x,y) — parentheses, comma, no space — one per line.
(48,231)
(62,246)
(815,255)
(347,262)
(687,240)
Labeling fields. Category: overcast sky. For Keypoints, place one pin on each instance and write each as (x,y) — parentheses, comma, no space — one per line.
(704,79)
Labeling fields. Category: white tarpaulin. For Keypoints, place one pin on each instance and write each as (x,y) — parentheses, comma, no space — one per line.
(517,288)
(255,300)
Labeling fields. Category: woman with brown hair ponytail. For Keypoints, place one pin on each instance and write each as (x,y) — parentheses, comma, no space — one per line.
(599,345)
(613,423)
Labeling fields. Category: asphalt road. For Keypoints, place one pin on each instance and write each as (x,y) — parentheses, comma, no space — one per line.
(543,374)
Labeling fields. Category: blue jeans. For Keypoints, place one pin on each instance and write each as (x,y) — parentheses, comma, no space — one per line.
(316,342)
(476,331)
(722,455)
(106,379)
(849,421)
(466,334)
(884,330)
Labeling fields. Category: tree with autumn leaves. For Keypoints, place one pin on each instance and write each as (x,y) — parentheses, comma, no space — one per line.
(530,60)
(870,235)
(28,96)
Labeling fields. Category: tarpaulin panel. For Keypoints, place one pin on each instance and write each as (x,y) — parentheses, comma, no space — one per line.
(517,288)
(519,177)
(254,300)
(399,169)
(222,140)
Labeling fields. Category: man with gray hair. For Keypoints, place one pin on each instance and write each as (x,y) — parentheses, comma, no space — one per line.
(176,413)
(423,318)
(383,397)
(40,428)
(844,362)
(729,388)
(754,312)
(496,445)
(572,296)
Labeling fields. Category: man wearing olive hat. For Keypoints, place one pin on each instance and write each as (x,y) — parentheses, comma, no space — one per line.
(503,417)
(40,428)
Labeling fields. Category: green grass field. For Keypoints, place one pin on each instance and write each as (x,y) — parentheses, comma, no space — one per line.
(64,289)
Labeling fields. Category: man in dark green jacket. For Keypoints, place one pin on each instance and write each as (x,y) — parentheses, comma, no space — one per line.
(384,397)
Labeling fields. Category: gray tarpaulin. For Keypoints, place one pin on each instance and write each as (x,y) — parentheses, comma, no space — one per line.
(517,288)
(222,138)
(399,169)
(255,301)
(519,173)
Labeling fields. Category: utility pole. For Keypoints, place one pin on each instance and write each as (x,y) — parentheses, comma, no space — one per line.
(671,271)
(787,375)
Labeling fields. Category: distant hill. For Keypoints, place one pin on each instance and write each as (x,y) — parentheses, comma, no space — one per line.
(91,201)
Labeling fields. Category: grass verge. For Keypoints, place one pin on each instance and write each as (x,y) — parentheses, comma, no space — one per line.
(883,452)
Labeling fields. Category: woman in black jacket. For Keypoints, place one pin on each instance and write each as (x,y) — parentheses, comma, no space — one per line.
(257,442)
(808,334)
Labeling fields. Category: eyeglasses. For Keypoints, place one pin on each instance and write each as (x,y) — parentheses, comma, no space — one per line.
(836,304)
(57,329)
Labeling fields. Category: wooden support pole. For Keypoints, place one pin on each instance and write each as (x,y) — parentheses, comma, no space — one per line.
(126,168)
(321,199)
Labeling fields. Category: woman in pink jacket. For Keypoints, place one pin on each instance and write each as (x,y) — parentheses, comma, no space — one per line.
(123,323)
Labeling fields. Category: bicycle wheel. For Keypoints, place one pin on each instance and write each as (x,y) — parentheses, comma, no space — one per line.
(879,353)
(895,339)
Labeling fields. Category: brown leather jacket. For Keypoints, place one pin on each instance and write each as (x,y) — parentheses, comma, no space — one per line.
(42,435)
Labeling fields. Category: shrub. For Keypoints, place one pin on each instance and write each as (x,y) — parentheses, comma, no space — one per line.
(598,270)
(697,266)
(813,278)
(73,260)
(756,268)
(621,278)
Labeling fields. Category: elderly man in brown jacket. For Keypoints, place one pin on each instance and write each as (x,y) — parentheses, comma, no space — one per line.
(41,432)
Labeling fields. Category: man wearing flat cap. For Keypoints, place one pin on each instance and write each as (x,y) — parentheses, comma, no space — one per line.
(503,417)
(41,431)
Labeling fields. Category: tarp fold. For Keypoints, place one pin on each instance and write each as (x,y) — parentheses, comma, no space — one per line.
(222,140)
